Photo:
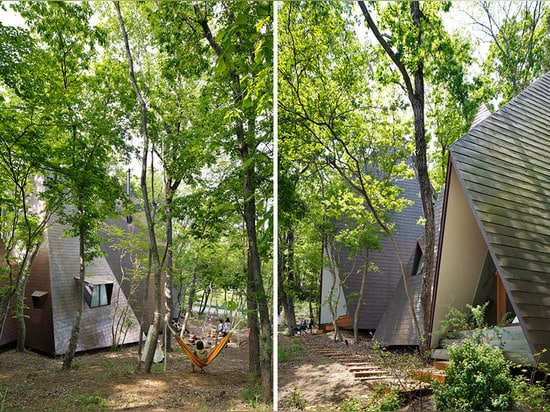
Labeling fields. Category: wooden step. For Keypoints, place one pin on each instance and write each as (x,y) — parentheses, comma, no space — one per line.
(441,365)
(372,372)
(373,378)
(362,368)
(429,375)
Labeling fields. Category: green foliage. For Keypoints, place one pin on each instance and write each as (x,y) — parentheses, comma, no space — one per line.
(251,394)
(517,50)
(478,378)
(530,396)
(287,353)
(352,405)
(457,321)
(294,401)
(382,398)
(89,402)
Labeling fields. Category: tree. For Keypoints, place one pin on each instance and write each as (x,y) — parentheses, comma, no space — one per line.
(517,35)
(22,220)
(24,148)
(346,122)
(153,246)
(78,164)
(244,65)
(413,44)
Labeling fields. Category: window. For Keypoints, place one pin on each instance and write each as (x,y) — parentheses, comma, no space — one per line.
(97,291)
(39,299)
(101,295)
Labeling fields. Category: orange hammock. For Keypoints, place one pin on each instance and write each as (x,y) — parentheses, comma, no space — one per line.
(193,358)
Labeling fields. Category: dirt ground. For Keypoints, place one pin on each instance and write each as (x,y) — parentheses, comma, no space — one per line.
(105,380)
(319,383)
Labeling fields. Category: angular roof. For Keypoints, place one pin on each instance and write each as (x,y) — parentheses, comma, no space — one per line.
(503,165)
(396,327)
(381,284)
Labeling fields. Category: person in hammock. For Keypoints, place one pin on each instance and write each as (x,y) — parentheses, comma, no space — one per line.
(201,353)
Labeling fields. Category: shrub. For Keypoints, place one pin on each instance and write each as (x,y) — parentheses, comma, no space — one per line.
(252,391)
(478,378)
(295,349)
(295,400)
(383,398)
(530,397)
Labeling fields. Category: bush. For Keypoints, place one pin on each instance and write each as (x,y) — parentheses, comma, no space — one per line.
(383,398)
(294,349)
(295,400)
(478,379)
(530,397)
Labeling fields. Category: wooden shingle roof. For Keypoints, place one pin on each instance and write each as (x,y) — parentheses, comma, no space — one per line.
(503,164)
(396,327)
(382,283)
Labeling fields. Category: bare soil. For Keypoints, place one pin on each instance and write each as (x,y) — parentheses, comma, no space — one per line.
(105,380)
(321,382)
(311,381)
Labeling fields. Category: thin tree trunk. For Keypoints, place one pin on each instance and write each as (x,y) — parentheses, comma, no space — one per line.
(193,286)
(415,92)
(146,204)
(334,288)
(20,296)
(286,284)
(426,193)
(69,355)
(360,298)
(168,264)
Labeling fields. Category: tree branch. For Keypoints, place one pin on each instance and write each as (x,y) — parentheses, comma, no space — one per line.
(398,63)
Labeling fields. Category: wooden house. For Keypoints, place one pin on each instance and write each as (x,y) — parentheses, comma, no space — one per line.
(52,294)
(397,324)
(495,229)
(381,284)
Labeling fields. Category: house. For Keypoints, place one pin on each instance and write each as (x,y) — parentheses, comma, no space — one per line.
(494,240)
(380,284)
(52,293)
(397,324)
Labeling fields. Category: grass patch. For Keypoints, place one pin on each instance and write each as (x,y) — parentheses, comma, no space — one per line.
(89,402)
(287,352)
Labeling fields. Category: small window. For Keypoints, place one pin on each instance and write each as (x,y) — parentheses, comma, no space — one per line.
(101,295)
(420,268)
(97,292)
(39,299)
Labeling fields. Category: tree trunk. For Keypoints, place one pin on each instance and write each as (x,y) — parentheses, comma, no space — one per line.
(257,298)
(75,334)
(426,192)
(20,296)
(168,264)
(144,322)
(286,284)
(415,92)
(254,268)
(192,287)
(146,205)
(360,298)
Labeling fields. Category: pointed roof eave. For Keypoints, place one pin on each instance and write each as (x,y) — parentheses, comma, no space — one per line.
(491,251)
(482,113)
